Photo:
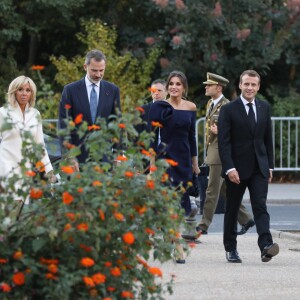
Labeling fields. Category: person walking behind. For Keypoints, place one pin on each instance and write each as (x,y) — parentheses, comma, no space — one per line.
(214,88)
(90,96)
(178,141)
(246,152)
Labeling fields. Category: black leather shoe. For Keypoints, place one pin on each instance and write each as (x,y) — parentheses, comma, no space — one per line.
(269,251)
(246,227)
(233,257)
(198,229)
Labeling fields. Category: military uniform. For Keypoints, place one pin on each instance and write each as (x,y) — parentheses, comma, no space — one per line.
(215,180)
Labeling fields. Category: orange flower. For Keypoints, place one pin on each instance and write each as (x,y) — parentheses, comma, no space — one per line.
(174,216)
(67,227)
(88,281)
(152,89)
(67,198)
(118,193)
(129,174)
(107,298)
(50,261)
(87,262)
(101,214)
(80,190)
(127,294)
(172,162)
(85,248)
(153,169)
(115,271)
(164,177)
(142,262)
(40,166)
(37,67)
(94,127)
(3,261)
(68,145)
(128,238)
(68,169)
(52,268)
(51,276)
(122,125)
(83,227)
(119,216)
(99,278)
(121,158)
(140,209)
(156,124)
(192,245)
(18,278)
(6,288)
(35,193)
(111,288)
(155,271)
(93,293)
(145,152)
(97,183)
(78,119)
(149,231)
(18,255)
(30,173)
(150,184)
(71,216)
(140,109)
(68,106)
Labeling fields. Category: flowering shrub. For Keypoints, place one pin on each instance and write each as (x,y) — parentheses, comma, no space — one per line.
(100,231)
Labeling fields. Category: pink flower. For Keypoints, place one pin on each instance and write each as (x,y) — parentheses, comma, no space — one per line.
(176,40)
(164,62)
(174,30)
(179,4)
(217,12)
(243,34)
(293,5)
(268,26)
(214,57)
(161,3)
(149,40)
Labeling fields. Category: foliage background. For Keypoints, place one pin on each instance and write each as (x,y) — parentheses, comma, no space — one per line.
(194,36)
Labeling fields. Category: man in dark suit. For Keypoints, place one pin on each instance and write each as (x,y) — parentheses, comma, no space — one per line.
(158,92)
(90,96)
(246,152)
(214,86)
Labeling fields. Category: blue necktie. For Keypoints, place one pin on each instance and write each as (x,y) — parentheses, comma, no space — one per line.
(251,116)
(93,103)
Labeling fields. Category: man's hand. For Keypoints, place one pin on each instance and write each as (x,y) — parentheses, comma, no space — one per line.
(271,176)
(234,176)
(214,129)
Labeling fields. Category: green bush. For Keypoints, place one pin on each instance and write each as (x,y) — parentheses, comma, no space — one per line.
(93,234)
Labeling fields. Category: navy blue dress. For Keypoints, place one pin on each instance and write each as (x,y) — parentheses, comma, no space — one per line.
(178,142)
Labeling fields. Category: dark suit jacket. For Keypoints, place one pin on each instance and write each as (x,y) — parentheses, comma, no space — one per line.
(238,145)
(75,94)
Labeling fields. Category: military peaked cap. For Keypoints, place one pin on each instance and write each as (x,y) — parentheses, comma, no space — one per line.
(216,79)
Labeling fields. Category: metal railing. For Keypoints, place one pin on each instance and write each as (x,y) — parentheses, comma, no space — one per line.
(285,131)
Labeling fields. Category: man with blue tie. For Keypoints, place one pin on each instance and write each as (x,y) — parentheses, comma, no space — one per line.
(90,96)
(246,152)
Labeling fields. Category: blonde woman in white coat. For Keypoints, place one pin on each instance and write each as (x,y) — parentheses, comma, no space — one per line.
(20,113)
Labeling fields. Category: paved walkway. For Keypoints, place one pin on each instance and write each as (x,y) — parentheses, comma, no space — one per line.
(207,274)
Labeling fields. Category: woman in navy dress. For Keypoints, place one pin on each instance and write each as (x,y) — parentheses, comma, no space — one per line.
(177,135)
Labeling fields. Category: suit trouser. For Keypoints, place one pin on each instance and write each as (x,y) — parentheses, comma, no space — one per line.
(258,189)
(215,182)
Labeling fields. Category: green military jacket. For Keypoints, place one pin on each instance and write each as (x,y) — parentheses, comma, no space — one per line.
(212,151)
